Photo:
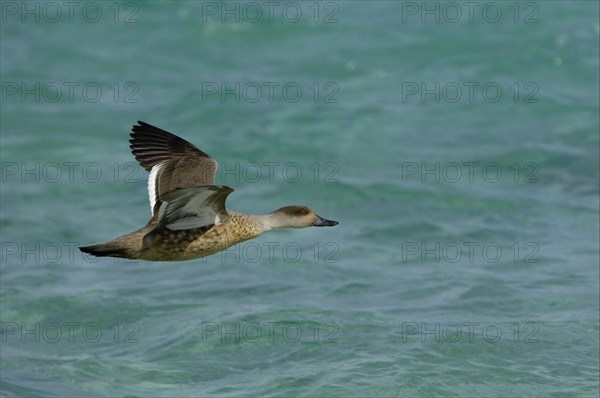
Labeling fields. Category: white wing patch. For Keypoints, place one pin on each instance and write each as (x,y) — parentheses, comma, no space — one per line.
(152,183)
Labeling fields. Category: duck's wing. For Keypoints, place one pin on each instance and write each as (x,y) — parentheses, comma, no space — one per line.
(193,207)
(171,161)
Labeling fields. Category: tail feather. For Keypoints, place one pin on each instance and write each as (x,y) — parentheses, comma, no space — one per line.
(105,250)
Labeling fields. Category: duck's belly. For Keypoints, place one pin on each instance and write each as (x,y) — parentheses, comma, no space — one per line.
(168,245)
(213,241)
(184,245)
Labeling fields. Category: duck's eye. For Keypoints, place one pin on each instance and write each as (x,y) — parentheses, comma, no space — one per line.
(302,212)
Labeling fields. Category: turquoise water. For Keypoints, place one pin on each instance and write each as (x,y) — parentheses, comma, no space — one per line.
(459,155)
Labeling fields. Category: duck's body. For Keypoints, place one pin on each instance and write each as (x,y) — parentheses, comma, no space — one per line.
(162,244)
(189,219)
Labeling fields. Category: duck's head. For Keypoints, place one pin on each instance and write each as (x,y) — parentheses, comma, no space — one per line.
(298,217)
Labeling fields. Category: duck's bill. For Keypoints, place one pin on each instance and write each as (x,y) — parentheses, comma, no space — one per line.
(321,222)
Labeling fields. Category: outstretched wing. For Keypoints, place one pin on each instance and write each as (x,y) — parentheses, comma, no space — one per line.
(171,161)
(193,207)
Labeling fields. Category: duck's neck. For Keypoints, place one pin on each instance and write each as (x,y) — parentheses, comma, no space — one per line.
(272,220)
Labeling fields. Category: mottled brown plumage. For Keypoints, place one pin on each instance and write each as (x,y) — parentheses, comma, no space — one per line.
(189,217)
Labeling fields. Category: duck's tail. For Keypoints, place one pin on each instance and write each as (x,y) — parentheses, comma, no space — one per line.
(106,250)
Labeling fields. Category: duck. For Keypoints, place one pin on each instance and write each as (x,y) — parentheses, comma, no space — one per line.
(189,219)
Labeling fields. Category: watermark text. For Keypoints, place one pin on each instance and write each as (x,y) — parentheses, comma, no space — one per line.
(69,11)
(469,11)
(471,252)
(290,12)
(469,332)
(52,92)
(72,332)
(468,92)
(272,332)
(270,92)
(470,172)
